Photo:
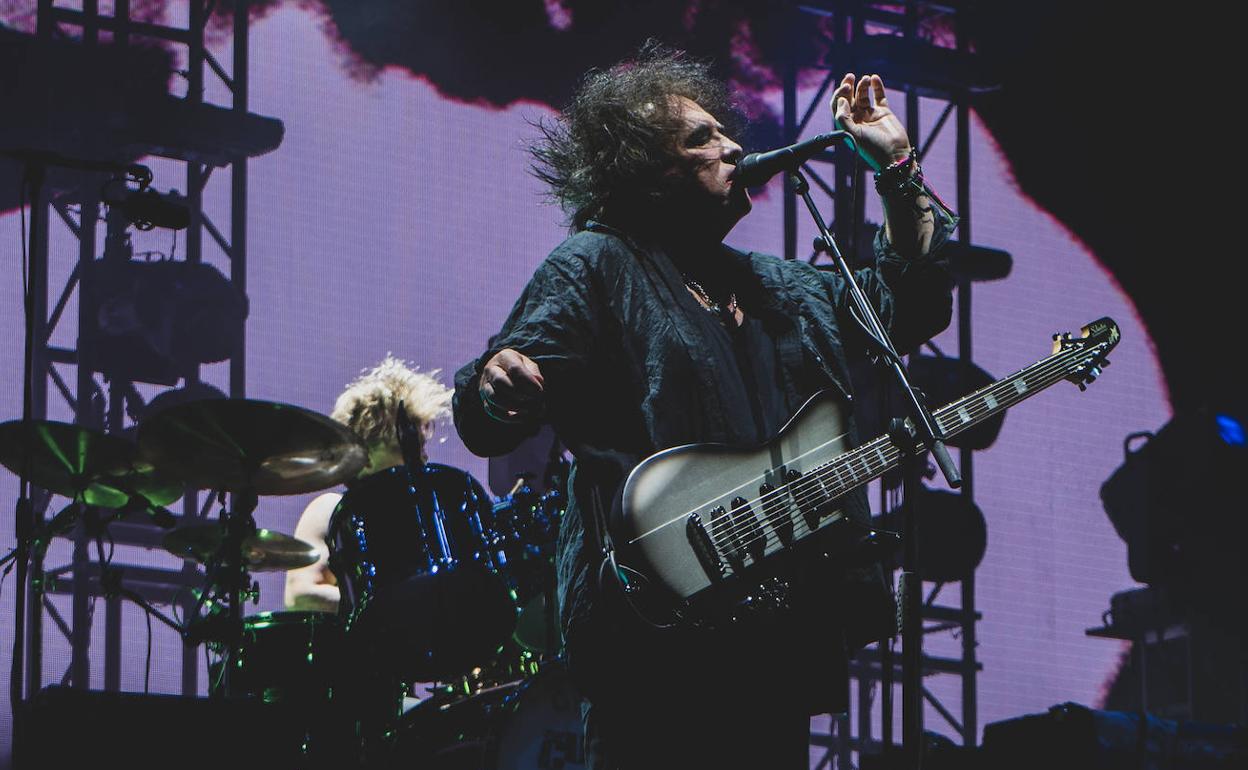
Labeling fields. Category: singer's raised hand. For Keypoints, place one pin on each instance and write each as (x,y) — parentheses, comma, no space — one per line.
(861,107)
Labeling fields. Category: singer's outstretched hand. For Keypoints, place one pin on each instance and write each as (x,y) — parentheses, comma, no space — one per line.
(511,386)
(861,107)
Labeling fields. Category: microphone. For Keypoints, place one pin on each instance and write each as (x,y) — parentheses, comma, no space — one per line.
(757,167)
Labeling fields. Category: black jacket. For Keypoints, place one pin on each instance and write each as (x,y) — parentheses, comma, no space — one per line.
(608,320)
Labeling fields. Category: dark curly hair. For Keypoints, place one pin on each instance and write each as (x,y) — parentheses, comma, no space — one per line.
(612,143)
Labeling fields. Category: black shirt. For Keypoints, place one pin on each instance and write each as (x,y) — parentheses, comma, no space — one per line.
(748,374)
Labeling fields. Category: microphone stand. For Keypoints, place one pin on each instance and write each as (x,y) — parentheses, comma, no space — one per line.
(913,437)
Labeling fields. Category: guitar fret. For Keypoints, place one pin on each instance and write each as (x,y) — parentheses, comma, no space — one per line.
(829,478)
(868,464)
(839,470)
(851,463)
(829,489)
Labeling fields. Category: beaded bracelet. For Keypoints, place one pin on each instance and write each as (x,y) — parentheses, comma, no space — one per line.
(498,413)
(902,178)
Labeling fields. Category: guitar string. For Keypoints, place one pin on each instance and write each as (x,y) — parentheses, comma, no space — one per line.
(816,477)
(823,473)
(815,481)
(770,538)
(812,481)
(743,485)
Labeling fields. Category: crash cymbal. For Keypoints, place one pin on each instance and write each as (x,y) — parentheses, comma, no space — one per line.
(265,447)
(67,459)
(263,551)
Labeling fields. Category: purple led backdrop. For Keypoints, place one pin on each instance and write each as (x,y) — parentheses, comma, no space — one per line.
(393,220)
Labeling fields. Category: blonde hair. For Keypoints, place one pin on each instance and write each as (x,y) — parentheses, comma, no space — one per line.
(369,403)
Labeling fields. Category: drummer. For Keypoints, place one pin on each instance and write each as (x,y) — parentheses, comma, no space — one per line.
(368,406)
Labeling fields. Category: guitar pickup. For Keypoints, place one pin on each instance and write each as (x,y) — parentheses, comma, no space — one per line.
(747,533)
(776,512)
(704,548)
(809,495)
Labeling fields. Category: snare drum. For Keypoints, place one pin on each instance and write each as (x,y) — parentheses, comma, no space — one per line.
(417,578)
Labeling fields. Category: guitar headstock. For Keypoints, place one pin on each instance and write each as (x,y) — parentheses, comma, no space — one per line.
(1089,350)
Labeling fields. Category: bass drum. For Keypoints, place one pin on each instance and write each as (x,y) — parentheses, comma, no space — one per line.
(535,723)
(419,585)
(298,661)
(286,657)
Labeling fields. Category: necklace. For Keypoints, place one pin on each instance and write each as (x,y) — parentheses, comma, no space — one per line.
(730,310)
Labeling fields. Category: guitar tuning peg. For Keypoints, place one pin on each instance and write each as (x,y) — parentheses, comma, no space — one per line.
(1104,362)
(1056,336)
(1093,373)
(1082,385)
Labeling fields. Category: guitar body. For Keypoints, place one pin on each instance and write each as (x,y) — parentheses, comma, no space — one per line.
(687,487)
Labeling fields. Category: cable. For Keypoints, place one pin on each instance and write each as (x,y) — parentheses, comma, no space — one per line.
(21,206)
(147,668)
(8,568)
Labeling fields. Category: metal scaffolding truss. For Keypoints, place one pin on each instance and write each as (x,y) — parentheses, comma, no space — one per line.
(207,139)
(896,40)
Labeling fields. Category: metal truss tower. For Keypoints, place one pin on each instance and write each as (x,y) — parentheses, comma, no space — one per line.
(893,39)
(208,139)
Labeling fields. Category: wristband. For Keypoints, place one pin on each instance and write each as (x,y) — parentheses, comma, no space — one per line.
(901,179)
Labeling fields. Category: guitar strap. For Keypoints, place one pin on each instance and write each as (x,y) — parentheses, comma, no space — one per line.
(601,535)
(598,532)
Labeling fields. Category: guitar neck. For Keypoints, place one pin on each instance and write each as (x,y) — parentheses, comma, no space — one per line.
(880,455)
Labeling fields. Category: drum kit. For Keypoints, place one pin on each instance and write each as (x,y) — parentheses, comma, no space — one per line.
(440,583)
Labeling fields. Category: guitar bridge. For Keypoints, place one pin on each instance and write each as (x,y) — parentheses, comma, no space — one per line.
(704,548)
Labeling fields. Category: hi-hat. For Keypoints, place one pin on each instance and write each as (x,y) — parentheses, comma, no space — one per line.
(242,445)
(143,481)
(68,459)
(263,551)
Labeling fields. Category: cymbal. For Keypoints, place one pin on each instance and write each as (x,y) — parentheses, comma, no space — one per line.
(263,551)
(68,459)
(265,447)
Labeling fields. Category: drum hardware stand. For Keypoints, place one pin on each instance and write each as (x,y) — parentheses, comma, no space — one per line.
(239,523)
(110,577)
(409,439)
(912,437)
